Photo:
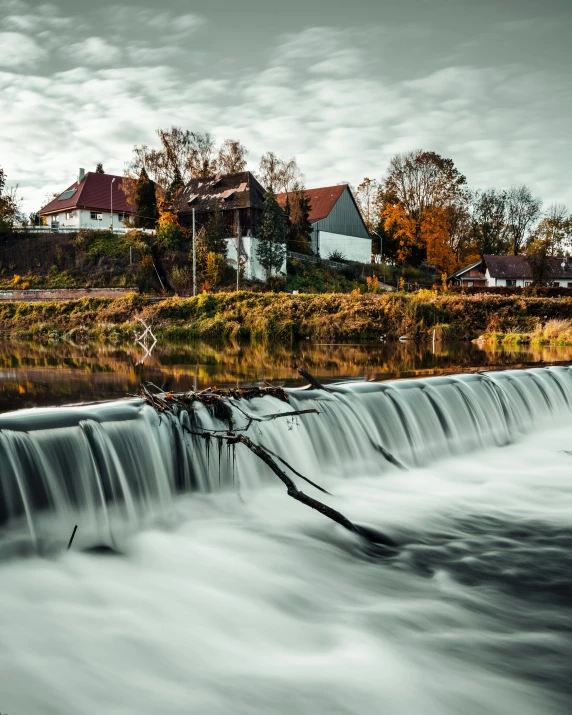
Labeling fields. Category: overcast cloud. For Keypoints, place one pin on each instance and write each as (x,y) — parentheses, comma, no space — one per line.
(342,86)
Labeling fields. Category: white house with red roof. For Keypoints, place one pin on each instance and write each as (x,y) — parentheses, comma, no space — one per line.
(337,223)
(94,201)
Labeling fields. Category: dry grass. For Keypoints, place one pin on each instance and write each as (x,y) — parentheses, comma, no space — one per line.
(283,317)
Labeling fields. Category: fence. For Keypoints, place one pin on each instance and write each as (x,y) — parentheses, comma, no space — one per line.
(305,258)
(35,230)
(540,291)
(49,294)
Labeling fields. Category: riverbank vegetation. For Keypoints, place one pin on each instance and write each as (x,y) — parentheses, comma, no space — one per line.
(284,318)
(551,332)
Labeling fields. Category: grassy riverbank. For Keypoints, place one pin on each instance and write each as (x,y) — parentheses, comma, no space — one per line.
(551,332)
(281,317)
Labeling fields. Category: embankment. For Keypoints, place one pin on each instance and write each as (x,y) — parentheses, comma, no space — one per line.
(281,317)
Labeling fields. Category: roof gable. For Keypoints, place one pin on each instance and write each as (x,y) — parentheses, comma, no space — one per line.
(322,200)
(460,272)
(94,192)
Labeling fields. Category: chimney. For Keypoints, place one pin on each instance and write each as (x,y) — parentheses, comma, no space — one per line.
(80,176)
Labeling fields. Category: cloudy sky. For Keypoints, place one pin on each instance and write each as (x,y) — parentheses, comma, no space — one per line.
(341,84)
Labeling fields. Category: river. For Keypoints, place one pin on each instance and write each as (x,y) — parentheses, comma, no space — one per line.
(226,596)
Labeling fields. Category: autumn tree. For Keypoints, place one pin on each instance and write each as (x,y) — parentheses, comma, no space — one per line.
(231,157)
(170,234)
(367,198)
(555,229)
(523,210)
(10,213)
(488,221)
(279,175)
(145,199)
(271,245)
(550,239)
(418,184)
(181,154)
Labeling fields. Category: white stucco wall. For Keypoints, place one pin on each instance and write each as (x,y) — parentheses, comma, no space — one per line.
(351,247)
(252,268)
(81,218)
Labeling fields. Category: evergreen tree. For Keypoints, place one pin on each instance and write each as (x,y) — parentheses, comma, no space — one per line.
(298,213)
(146,213)
(99,169)
(271,246)
(214,234)
(175,186)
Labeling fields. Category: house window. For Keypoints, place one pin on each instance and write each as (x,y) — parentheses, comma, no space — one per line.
(511,282)
(553,284)
(122,216)
(527,284)
(569,285)
(70,214)
(95,216)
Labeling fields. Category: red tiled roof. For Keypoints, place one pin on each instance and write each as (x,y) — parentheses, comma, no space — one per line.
(94,192)
(322,200)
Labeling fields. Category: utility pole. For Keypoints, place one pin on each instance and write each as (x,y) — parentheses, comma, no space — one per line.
(112,180)
(238,254)
(194,257)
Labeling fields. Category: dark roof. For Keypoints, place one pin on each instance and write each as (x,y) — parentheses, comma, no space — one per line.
(227,191)
(519,267)
(94,192)
(322,200)
(515,267)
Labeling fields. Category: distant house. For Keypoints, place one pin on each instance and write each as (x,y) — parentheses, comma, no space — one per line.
(240,199)
(337,224)
(512,271)
(94,201)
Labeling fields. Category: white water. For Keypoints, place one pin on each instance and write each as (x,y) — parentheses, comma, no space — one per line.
(252,603)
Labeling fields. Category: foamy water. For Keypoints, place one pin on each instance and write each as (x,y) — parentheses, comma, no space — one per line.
(252,603)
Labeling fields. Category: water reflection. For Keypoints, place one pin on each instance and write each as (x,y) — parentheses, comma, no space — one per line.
(59,373)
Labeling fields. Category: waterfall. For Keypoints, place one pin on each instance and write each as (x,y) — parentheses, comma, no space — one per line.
(116,466)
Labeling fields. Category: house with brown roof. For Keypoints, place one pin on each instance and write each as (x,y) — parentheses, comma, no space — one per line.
(240,199)
(513,272)
(337,223)
(94,201)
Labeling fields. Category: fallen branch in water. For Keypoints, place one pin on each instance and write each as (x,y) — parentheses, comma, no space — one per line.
(221,403)
(312,380)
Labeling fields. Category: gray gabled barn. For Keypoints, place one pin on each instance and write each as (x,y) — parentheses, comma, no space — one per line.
(337,224)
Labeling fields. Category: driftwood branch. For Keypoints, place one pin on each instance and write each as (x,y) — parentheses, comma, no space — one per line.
(221,402)
(312,380)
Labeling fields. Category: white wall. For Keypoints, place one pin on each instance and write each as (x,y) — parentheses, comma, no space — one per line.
(81,218)
(252,268)
(351,247)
